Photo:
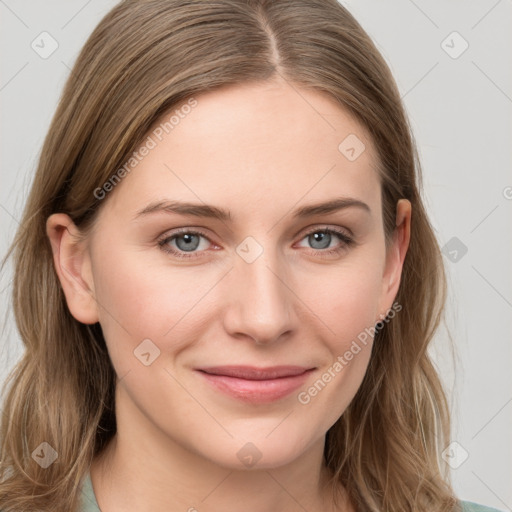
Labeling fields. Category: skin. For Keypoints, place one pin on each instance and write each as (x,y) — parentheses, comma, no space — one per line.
(261,151)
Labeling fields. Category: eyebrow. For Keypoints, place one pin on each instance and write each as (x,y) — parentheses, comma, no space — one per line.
(210,211)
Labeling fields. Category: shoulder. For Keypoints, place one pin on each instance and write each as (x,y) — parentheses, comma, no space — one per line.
(469,506)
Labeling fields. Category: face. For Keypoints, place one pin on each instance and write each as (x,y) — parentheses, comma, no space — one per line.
(242,330)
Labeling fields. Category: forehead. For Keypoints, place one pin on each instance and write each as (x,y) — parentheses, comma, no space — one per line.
(254,147)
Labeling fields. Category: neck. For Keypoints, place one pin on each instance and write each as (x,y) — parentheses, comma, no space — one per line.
(142,469)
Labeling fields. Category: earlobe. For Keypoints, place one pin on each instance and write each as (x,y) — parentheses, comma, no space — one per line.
(396,254)
(73,267)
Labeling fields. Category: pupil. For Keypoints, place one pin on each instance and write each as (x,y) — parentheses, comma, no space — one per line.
(319,237)
(186,242)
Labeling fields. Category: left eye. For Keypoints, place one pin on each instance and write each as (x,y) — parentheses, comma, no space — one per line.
(185,244)
(321,239)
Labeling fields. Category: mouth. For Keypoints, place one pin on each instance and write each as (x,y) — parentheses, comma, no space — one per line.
(256,385)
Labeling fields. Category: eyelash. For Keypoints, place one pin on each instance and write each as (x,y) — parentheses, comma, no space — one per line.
(347,242)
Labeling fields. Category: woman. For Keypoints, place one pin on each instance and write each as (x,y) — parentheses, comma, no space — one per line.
(225,278)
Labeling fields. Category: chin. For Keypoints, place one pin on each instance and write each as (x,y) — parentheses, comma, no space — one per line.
(260,451)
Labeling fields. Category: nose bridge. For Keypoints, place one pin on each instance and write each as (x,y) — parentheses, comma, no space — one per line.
(260,303)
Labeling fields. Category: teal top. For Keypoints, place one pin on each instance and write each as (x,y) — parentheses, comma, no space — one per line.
(469,506)
(89,503)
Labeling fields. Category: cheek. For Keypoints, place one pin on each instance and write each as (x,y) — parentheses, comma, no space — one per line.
(139,295)
(348,305)
(346,299)
(139,302)
(170,305)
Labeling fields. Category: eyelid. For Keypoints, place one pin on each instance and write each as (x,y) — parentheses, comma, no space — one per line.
(325,227)
(168,235)
(347,239)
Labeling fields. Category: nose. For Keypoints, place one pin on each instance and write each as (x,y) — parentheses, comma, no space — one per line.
(260,300)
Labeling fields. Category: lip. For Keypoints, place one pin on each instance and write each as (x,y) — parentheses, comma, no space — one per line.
(256,385)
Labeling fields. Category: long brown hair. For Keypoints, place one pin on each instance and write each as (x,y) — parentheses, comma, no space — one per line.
(143,59)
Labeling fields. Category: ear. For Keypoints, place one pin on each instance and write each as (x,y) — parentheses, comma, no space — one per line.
(73,266)
(395,257)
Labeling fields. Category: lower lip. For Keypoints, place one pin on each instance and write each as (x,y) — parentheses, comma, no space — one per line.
(257,391)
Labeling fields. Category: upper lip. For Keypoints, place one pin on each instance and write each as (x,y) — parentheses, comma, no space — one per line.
(254,373)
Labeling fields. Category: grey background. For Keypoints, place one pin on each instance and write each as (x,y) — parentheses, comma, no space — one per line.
(460,112)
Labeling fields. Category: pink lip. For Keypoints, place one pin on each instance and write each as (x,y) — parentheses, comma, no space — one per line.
(256,385)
